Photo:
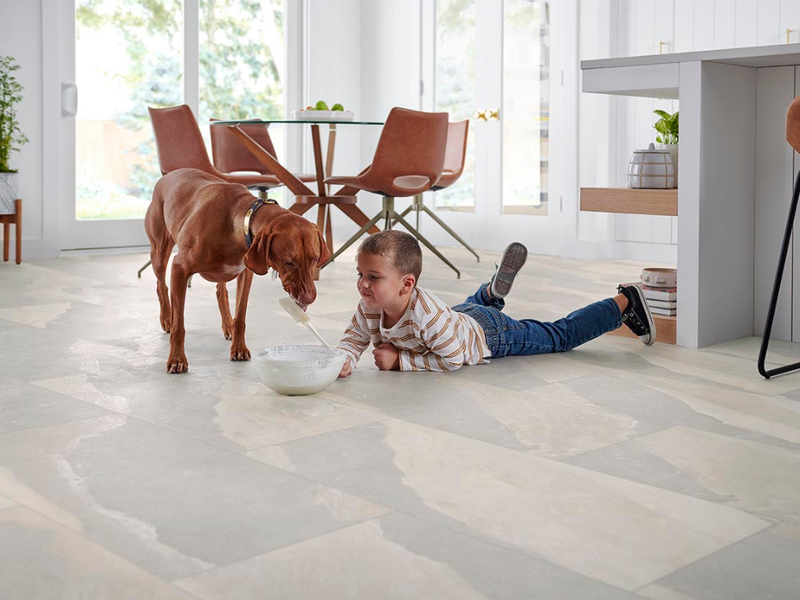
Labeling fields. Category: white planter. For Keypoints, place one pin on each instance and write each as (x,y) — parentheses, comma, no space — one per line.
(673,154)
(8,193)
(651,168)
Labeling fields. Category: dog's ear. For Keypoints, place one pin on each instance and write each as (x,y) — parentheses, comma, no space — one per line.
(324,252)
(257,257)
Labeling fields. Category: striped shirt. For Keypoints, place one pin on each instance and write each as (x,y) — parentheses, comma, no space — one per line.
(430,336)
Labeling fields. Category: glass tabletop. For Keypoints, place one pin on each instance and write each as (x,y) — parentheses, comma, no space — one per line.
(294,121)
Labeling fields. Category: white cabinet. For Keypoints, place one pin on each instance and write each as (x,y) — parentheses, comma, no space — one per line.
(736,178)
(774,170)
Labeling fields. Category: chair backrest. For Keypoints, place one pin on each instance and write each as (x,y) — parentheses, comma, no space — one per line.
(231,156)
(179,142)
(793,124)
(411,143)
(454,155)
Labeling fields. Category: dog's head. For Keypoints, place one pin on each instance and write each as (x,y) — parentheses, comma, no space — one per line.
(294,247)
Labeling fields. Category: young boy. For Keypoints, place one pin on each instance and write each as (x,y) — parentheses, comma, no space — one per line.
(412,330)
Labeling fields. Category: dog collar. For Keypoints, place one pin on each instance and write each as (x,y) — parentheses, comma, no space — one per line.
(248,235)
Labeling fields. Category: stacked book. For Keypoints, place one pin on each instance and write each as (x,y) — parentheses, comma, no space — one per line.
(662,301)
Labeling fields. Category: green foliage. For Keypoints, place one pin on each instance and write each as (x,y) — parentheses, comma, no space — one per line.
(667,127)
(239,77)
(11,138)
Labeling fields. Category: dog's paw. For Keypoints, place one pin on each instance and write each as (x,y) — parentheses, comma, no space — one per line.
(165,324)
(227,330)
(177,364)
(240,353)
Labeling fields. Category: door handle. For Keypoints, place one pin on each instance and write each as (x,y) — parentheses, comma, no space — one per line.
(69,99)
(489,114)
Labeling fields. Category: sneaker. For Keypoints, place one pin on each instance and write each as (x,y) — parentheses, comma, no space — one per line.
(637,315)
(514,256)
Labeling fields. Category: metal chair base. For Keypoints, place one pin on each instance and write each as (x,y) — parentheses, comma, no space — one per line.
(390,217)
(419,206)
(776,289)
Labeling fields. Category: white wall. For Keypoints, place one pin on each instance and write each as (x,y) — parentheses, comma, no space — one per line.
(611,128)
(390,74)
(334,74)
(23,41)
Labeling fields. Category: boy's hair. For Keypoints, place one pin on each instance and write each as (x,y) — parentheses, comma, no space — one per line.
(402,250)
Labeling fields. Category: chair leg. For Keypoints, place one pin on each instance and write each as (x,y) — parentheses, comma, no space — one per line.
(404,213)
(776,288)
(388,209)
(144,266)
(355,237)
(430,246)
(148,263)
(444,226)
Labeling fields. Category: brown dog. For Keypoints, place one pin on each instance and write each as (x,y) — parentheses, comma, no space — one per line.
(205,216)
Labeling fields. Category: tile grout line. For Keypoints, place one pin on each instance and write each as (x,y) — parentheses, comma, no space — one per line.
(101,546)
(702,558)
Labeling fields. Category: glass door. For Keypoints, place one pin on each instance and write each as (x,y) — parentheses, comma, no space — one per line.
(126,55)
(492,65)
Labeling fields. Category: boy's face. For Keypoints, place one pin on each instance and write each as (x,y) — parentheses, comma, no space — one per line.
(379,283)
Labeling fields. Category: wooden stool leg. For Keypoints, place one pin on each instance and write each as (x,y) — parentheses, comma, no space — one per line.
(18,218)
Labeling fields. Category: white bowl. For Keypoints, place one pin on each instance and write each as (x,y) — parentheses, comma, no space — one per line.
(322,115)
(298,370)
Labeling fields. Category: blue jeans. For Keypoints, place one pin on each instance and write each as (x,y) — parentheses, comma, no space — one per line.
(508,337)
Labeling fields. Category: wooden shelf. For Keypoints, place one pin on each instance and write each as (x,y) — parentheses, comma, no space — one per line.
(630,201)
(665,329)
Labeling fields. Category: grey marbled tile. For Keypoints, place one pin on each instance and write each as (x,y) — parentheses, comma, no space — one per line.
(699,366)
(763,567)
(227,411)
(23,406)
(542,507)
(171,505)
(41,559)
(396,557)
(39,354)
(550,420)
(747,475)
(659,403)
(6,502)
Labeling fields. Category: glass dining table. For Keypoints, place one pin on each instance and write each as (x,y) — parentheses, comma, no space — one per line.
(304,197)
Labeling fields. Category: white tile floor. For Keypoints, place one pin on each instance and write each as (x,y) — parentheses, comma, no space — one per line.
(614,471)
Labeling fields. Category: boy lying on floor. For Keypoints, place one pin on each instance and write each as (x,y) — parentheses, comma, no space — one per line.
(412,330)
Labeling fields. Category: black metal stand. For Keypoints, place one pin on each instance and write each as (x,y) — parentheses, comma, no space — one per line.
(776,289)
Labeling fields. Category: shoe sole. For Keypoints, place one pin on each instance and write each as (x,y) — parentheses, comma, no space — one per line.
(512,261)
(650,321)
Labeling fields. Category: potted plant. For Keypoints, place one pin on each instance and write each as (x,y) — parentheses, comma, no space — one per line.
(11,138)
(667,138)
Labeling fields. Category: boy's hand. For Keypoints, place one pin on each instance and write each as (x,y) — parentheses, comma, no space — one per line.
(387,358)
(346,371)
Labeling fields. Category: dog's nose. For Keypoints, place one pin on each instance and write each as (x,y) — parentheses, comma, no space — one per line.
(307,297)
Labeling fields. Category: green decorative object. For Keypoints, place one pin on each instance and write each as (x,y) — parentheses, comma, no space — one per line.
(337,106)
(667,127)
(11,138)
(321,105)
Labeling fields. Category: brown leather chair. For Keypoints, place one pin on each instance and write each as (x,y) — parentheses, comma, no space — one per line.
(231,156)
(180,145)
(408,161)
(454,158)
